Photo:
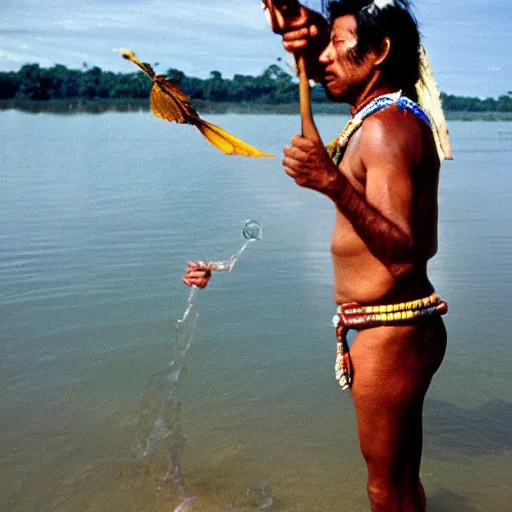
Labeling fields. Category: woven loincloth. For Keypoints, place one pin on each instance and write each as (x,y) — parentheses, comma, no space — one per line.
(352,315)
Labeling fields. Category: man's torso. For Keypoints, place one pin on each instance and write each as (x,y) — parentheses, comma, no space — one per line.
(359,275)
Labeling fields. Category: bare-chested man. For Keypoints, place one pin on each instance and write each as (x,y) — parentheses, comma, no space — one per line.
(382,177)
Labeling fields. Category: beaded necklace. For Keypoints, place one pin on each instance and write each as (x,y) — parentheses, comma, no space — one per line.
(337,146)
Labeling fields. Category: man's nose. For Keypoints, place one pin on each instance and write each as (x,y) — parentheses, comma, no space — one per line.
(326,56)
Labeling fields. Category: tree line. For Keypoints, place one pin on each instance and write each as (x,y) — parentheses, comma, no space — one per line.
(274,86)
(33,82)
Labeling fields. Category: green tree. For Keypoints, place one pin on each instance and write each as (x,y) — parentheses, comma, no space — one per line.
(9,84)
(504,103)
(30,83)
(175,75)
(216,88)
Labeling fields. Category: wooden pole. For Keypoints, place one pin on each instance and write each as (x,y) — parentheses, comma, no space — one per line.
(309,129)
(291,9)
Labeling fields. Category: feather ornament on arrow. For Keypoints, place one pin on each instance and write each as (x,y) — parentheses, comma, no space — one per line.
(169,102)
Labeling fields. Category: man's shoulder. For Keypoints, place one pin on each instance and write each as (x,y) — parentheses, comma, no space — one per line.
(393,121)
(393,130)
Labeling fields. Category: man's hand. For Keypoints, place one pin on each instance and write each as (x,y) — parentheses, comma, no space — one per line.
(302,29)
(310,166)
(197,274)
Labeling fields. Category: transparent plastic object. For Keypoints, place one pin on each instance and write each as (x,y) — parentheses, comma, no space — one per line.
(251,230)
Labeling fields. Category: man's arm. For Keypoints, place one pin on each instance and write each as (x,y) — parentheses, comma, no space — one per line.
(382,216)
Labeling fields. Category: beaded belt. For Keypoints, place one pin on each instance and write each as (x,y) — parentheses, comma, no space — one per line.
(352,315)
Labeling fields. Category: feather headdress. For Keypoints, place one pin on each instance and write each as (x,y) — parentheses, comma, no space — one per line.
(381,4)
(429,98)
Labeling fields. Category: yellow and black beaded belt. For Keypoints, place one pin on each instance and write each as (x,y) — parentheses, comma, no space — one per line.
(352,315)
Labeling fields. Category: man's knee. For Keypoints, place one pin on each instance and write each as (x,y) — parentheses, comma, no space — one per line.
(385,496)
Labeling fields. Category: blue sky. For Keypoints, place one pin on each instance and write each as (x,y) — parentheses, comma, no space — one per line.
(469,41)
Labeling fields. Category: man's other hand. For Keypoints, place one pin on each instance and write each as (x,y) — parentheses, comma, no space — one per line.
(197,274)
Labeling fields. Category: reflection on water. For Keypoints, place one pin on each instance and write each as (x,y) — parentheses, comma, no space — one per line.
(450,429)
(447,501)
(84,106)
(79,106)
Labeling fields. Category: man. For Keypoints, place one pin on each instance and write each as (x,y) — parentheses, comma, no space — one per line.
(382,176)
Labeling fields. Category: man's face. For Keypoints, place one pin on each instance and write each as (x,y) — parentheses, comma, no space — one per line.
(341,71)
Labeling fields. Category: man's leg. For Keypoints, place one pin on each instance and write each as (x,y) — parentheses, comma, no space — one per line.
(414,494)
(393,367)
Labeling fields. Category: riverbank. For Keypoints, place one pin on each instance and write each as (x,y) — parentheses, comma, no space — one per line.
(81,106)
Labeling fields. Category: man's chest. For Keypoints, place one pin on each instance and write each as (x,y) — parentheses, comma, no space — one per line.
(353,169)
(351,165)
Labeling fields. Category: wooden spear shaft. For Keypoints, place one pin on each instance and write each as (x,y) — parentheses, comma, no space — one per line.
(309,129)
(291,8)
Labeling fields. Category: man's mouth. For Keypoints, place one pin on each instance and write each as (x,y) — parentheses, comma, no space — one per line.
(328,77)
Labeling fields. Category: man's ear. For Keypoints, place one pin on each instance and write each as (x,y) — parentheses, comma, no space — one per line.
(383,53)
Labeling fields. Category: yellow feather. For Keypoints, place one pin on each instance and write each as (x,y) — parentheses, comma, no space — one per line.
(169,102)
(227,143)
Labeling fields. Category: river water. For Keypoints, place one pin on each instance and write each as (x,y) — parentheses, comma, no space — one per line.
(98,217)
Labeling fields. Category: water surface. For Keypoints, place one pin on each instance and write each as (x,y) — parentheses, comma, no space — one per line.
(98,216)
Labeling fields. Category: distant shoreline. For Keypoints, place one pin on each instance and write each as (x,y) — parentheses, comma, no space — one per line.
(80,106)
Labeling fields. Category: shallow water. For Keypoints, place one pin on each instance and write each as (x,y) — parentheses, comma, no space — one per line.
(98,216)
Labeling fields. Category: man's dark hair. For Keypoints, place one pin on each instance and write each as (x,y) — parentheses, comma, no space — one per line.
(396,21)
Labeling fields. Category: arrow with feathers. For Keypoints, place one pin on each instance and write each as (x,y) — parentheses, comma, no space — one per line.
(169,102)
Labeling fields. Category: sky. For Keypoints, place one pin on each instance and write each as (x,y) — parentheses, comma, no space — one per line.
(468,41)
